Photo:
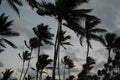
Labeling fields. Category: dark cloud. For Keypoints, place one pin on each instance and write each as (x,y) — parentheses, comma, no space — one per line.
(1,64)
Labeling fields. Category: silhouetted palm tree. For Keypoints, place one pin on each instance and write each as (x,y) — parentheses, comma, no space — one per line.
(43,36)
(7,74)
(42,63)
(90,32)
(109,42)
(65,61)
(31,49)
(83,75)
(63,42)
(25,57)
(12,4)
(70,65)
(5,30)
(62,10)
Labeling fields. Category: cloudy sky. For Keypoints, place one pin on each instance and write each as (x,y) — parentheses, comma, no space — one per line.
(107,10)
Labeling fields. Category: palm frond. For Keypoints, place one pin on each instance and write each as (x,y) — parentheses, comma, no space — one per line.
(10,43)
(32,3)
(0,2)
(46,9)
(18,2)
(97,30)
(14,7)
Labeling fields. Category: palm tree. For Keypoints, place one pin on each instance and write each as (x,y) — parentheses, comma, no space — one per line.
(7,74)
(83,75)
(68,64)
(62,10)
(43,36)
(65,61)
(42,63)
(90,32)
(25,57)
(63,42)
(5,30)
(108,42)
(13,3)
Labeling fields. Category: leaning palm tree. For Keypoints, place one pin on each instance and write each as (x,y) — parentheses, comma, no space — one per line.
(108,42)
(43,36)
(90,32)
(25,57)
(6,31)
(62,10)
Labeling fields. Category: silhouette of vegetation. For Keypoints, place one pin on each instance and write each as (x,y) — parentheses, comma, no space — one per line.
(7,74)
(62,10)
(68,14)
(6,31)
(43,36)
(41,64)
(26,56)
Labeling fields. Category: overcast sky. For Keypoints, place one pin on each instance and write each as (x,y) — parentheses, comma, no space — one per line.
(107,10)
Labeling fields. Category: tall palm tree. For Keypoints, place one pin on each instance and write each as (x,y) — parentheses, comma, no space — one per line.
(90,32)
(6,31)
(43,36)
(108,42)
(12,4)
(43,61)
(25,57)
(62,10)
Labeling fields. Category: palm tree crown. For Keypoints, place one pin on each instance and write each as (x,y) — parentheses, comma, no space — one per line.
(43,34)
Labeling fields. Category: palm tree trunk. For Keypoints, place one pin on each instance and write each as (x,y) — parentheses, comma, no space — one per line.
(22,70)
(37,61)
(57,46)
(59,63)
(40,78)
(69,72)
(28,65)
(109,54)
(64,73)
(87,51)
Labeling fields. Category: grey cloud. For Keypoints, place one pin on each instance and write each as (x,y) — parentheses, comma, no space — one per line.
(71,53)
(99,65)
(108,11)
(1,64)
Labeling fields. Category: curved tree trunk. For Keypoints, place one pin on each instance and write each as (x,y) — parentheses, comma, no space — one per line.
(28,65)
(22,70)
